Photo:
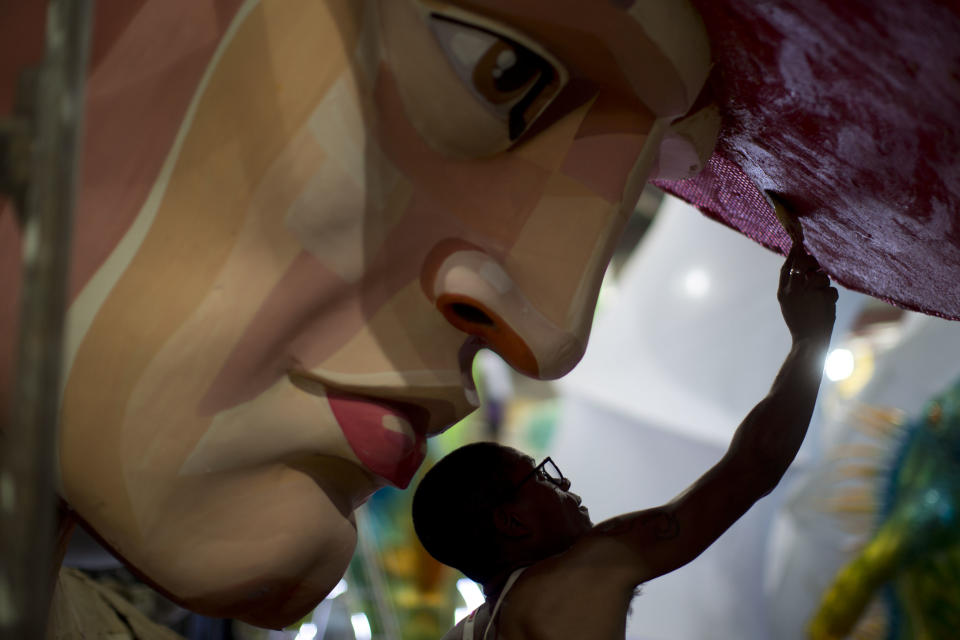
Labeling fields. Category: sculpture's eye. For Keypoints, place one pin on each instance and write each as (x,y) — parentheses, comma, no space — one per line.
(512,81)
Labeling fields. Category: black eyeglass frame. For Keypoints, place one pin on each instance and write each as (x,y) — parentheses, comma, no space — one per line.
(540,469)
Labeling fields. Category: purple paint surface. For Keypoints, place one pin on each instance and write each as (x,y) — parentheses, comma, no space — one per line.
(851,113)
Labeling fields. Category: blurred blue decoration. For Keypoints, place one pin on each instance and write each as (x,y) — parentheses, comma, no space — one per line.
(912,559)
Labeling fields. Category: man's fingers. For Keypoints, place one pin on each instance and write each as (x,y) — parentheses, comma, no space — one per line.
(806,263)
(818,279)
(801,273)
(796,252)
(784,276)
(790,264)
(799,260)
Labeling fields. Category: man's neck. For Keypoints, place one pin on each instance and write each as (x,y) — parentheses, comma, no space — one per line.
(493,587)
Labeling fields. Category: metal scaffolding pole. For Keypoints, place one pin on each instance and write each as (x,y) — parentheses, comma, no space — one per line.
(40,145)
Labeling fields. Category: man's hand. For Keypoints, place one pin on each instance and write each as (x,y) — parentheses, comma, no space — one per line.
(807,301)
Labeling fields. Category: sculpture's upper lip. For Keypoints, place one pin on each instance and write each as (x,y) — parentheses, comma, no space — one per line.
(432,401)
(405,401)
(388,437)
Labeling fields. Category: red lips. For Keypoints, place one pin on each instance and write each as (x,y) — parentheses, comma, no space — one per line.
(385,436)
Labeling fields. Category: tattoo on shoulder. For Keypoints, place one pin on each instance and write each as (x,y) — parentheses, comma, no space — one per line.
(664,525)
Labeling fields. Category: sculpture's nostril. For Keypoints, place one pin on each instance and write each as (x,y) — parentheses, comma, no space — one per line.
(471,314)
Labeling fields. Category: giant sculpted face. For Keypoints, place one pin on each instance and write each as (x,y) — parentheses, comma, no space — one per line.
(358,196)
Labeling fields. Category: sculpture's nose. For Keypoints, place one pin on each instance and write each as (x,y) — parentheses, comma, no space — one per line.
(477,296)
(472,316)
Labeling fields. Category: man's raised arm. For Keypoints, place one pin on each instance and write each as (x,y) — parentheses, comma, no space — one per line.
(653,542)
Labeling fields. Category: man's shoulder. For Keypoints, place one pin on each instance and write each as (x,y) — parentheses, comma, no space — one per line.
(597,561)
(455,633)
(569,595)
(597,544)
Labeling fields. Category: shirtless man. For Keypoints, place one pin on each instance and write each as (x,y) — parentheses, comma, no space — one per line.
(546,570)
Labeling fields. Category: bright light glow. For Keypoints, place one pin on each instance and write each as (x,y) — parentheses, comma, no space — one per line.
(460,613)
(839,365)
(337,590)
(471,593)
(696,283)
(308,631)
(361,626)
(609,290)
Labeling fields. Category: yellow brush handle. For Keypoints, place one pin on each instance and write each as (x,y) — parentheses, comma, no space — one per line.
(791,223)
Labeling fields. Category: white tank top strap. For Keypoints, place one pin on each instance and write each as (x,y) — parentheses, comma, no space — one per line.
(496,608)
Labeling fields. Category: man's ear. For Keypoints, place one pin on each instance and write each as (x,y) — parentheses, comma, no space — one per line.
(510,522)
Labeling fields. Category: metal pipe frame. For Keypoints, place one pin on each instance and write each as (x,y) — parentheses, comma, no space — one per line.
(27,497)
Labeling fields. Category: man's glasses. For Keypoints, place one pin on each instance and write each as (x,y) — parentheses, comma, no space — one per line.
(547,470)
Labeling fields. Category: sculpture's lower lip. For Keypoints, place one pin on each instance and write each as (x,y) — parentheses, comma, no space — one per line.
(387,437)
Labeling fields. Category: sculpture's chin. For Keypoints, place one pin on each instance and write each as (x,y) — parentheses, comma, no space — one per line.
(272,589)
(267,585)
(265,549)
(272,604)
(273,582)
